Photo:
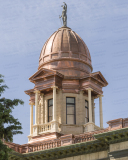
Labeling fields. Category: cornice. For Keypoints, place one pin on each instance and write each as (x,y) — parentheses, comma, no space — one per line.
(114,136)
(64,151)
(66,58)
(100,144)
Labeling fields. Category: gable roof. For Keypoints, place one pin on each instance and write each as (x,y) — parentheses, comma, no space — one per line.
(98,76)
(43,72)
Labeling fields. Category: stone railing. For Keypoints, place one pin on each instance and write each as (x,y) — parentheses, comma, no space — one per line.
(60,141)
(57,143)
(45,127)
(52,126)
(43,146)
(83,138)
(63,140)
(49,127)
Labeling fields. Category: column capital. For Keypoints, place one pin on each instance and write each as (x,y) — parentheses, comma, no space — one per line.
(31,103)
(89,89)
(36,91)
(54,87)
(81,92)
(100,95)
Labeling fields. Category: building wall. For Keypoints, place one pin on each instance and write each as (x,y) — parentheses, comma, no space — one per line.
(61,111)
(118,146)
(93,156)
(119,151)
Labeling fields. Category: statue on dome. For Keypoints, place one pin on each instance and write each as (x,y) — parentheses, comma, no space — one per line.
(64,14)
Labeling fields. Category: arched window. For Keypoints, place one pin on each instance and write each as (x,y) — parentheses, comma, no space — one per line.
(70,110)
(50,110)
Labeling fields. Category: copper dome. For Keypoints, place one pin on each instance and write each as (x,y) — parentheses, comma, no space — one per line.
(67,53)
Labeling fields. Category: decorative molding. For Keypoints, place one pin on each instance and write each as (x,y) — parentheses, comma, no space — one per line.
(114,136)
(64,151)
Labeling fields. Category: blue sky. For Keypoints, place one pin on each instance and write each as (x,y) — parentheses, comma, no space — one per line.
(103,25)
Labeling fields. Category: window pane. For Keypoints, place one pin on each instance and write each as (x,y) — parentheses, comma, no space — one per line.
(86,103)
(70,100)
(50,102)
(86,120)
(50,118)
(86,112)
(70,119)
(50,111)
(70,109)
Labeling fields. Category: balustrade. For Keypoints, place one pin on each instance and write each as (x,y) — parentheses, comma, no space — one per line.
(52,143)
(48,127)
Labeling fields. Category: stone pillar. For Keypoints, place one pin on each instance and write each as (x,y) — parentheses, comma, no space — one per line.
(90,126)
(42,108)
(93,110)
(55,125)
(36,105)
(46,111)
(101,111)
(90,104)
(94,113)
(31,117)
(54,102)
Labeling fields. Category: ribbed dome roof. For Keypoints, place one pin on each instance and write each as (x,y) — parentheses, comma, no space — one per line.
(65,49)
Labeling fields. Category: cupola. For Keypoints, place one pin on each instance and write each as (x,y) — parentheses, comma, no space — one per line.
(64,88)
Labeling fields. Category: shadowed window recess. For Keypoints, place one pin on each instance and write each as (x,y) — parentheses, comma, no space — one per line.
(86,112)
(50,110)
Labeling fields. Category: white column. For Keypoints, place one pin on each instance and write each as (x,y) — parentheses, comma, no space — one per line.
(90,104)
(101,111)
(42,108)
(54,102)
(31,117)
(93,114)
(36,106)
(46,111)
(90,126)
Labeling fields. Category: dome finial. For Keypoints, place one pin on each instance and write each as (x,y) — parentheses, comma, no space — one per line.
(64,14)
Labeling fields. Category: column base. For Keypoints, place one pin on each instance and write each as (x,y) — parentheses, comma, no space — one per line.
(29,137)
(89,127)
(55,126)
(35,130)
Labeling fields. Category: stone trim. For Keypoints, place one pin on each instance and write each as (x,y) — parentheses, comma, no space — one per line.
(119,154)
(64,151)
(115,136)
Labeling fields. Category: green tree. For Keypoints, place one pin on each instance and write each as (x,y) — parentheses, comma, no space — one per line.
(13,126)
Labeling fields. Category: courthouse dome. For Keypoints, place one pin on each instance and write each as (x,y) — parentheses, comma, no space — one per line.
(67,53)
